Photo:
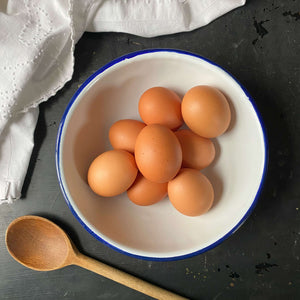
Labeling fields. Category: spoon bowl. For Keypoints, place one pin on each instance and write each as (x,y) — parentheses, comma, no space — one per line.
(39,244)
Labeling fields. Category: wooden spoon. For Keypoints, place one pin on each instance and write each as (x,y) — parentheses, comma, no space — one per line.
(41,245)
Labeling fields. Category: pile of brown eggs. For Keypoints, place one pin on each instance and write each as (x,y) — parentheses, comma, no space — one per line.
(154,158)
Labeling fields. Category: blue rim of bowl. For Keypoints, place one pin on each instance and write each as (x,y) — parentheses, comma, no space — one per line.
(58,142)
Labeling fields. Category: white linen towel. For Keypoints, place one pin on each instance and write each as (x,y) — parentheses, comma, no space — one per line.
(37,40)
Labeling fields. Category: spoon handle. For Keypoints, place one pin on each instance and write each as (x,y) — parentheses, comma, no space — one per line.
(124,278)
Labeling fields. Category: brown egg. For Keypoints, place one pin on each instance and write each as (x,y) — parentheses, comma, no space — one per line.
(158,153)
(160,105)
(191,193)
(206,111)
(123,134)
(112,173)
(197,152)
(144,192)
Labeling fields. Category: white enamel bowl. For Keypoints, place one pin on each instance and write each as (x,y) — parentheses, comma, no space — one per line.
(159,232)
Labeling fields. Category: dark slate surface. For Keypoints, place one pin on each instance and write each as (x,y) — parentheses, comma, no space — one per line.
(259,45)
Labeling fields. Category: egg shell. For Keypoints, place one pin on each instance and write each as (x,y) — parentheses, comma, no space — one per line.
(123,134)
(190,192)
(145,192)
(159,105)
(158,153)
(197,152)
(112,173)
(206,111)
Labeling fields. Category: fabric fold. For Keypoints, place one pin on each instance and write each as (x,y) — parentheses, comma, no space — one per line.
(16,144)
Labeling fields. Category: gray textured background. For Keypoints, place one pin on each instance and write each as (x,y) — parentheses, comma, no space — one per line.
(259,45)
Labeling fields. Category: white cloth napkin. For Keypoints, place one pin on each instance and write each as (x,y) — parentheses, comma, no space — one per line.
(37,40)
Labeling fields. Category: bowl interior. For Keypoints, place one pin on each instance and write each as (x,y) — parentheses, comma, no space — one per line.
(159,231)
